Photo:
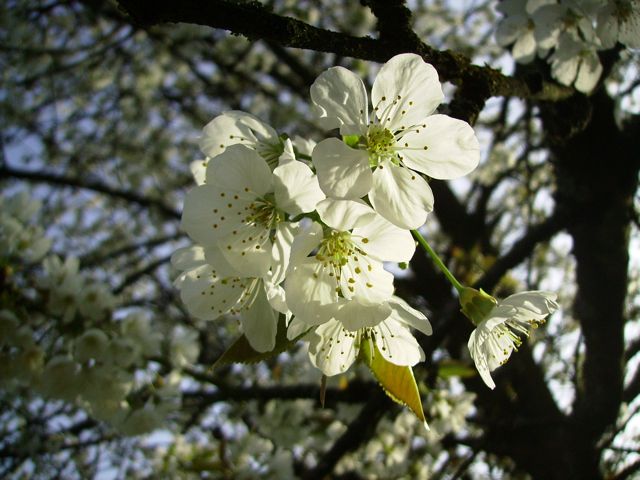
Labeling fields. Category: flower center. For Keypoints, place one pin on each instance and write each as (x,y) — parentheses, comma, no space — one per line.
(336,248)
(263,212)
(380,144)
(271,152)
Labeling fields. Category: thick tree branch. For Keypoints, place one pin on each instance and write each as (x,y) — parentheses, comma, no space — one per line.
(359,431)
(55,179)
(255,22)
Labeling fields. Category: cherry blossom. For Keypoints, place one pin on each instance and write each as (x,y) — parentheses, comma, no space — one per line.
(402,140)
(243,207)
(333,348)
(498,333)
(344,277)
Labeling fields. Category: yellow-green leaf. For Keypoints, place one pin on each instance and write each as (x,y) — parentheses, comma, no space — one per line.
(398,382)
(241,352)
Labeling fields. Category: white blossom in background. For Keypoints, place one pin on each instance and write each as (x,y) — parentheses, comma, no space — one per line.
(92,344)
(498,334)
(138,328)
(517,27)
(575,63)
(565,18)
(402,139)
(619,21)
(184,346)
(333,348)
(96,301)
(20,235)
(449,412)
(59,378)
(568,34)
(64,283)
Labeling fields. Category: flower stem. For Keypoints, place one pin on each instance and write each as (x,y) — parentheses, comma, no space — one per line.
(434,256)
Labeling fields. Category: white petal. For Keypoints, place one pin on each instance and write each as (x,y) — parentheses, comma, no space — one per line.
(242,170)
(538,303)
(404,313)
(452,149)
(304,243)
(396,344)
(589,72)
(221,132)
(207,216)
(188,258)
(630,28)
(565,70)
(260,323)
(345,214)
(276,297)
(608,28)
(248,251)
(333,349)
(479,358)
(524,50)
(311,292)
(219,262)
(263,133)
(283,241)
(384,241)
(343,172)
(405,91)
(341,99)
(510,29)
(533,5)
(199,170)
(288,155)
(401,196)
(365,280)
(296,188)
(296,328)
(548,22)
(354,315)
(304,146)
(207,295)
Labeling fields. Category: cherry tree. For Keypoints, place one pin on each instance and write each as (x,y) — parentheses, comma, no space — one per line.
(319,239)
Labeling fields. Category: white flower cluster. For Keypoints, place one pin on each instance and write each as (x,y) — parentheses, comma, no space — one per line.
(241,458)
(279,236)
(70,293)
(73,351)
(568,34)
(20,236)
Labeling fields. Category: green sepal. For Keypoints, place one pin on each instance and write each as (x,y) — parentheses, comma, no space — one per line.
(351,140)
(476,304)
(397,381)
(241,351)
(453,368)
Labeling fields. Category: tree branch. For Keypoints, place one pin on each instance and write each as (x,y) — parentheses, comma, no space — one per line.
(255,22)
(54,179)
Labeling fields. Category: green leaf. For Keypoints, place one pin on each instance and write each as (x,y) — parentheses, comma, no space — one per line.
(242,352)
(351,140)
(453,368)
(398,382)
